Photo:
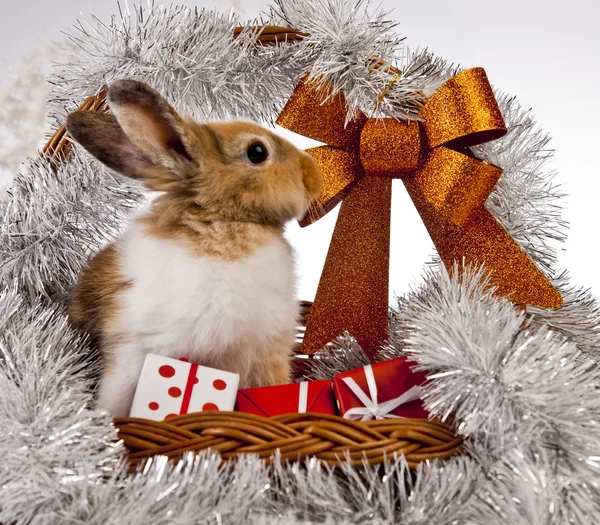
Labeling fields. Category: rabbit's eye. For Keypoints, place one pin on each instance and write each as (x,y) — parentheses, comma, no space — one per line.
(257,153)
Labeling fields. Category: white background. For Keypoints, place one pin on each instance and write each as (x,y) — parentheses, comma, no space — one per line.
(546,52)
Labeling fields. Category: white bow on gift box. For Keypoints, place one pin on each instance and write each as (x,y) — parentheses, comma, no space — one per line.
(371,408)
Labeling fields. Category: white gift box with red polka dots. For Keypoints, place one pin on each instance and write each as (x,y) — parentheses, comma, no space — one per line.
(169,387)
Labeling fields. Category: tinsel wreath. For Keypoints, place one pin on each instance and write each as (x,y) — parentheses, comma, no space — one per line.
(522,385)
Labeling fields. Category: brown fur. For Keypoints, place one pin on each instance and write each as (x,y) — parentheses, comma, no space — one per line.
(105,140)
(228,187)
(202,168)
(226,240)
(94,302)
(139,107)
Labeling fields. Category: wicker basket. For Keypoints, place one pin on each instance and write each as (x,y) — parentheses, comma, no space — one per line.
(295,436)
(328,438)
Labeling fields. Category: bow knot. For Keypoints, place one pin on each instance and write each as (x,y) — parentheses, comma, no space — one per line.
(390,147)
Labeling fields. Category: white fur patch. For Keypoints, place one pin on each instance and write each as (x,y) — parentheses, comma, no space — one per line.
(202,307)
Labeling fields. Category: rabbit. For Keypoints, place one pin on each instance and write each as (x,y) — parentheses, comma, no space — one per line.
(205,273)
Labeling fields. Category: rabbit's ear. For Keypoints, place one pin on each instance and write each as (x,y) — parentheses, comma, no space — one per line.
(150,122)
(104,138)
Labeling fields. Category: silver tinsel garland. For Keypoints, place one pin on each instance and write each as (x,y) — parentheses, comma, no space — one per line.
(522,386)
(53,221)
(190,57)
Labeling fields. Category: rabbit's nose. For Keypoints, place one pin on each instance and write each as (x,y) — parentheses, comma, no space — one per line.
(311,175)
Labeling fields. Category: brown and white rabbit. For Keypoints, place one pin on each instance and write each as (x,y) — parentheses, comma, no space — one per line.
(205,273)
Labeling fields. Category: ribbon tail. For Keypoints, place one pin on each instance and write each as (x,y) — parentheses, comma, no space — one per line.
(414,393)
(358,414)
(353,290)
(483,240)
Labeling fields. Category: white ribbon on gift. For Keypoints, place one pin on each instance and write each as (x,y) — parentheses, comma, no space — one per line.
(371,408)
(303,397)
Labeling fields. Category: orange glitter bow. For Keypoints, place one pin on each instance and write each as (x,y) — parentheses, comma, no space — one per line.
(447,184)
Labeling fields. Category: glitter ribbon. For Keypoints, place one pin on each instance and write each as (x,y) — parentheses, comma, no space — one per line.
(447,184)
(371,408)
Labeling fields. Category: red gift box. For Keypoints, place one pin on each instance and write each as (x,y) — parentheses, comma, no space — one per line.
(379,391)
(308,396)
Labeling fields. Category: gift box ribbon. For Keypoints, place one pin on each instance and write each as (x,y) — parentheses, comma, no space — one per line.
(189,387)
(371,409)
(303,397)
(447,184)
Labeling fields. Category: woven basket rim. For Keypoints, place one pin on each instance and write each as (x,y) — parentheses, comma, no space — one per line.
(328,438)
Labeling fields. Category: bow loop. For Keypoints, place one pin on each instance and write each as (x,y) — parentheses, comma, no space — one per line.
(318,113)
(340,170)
(455,184)
(463,112)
